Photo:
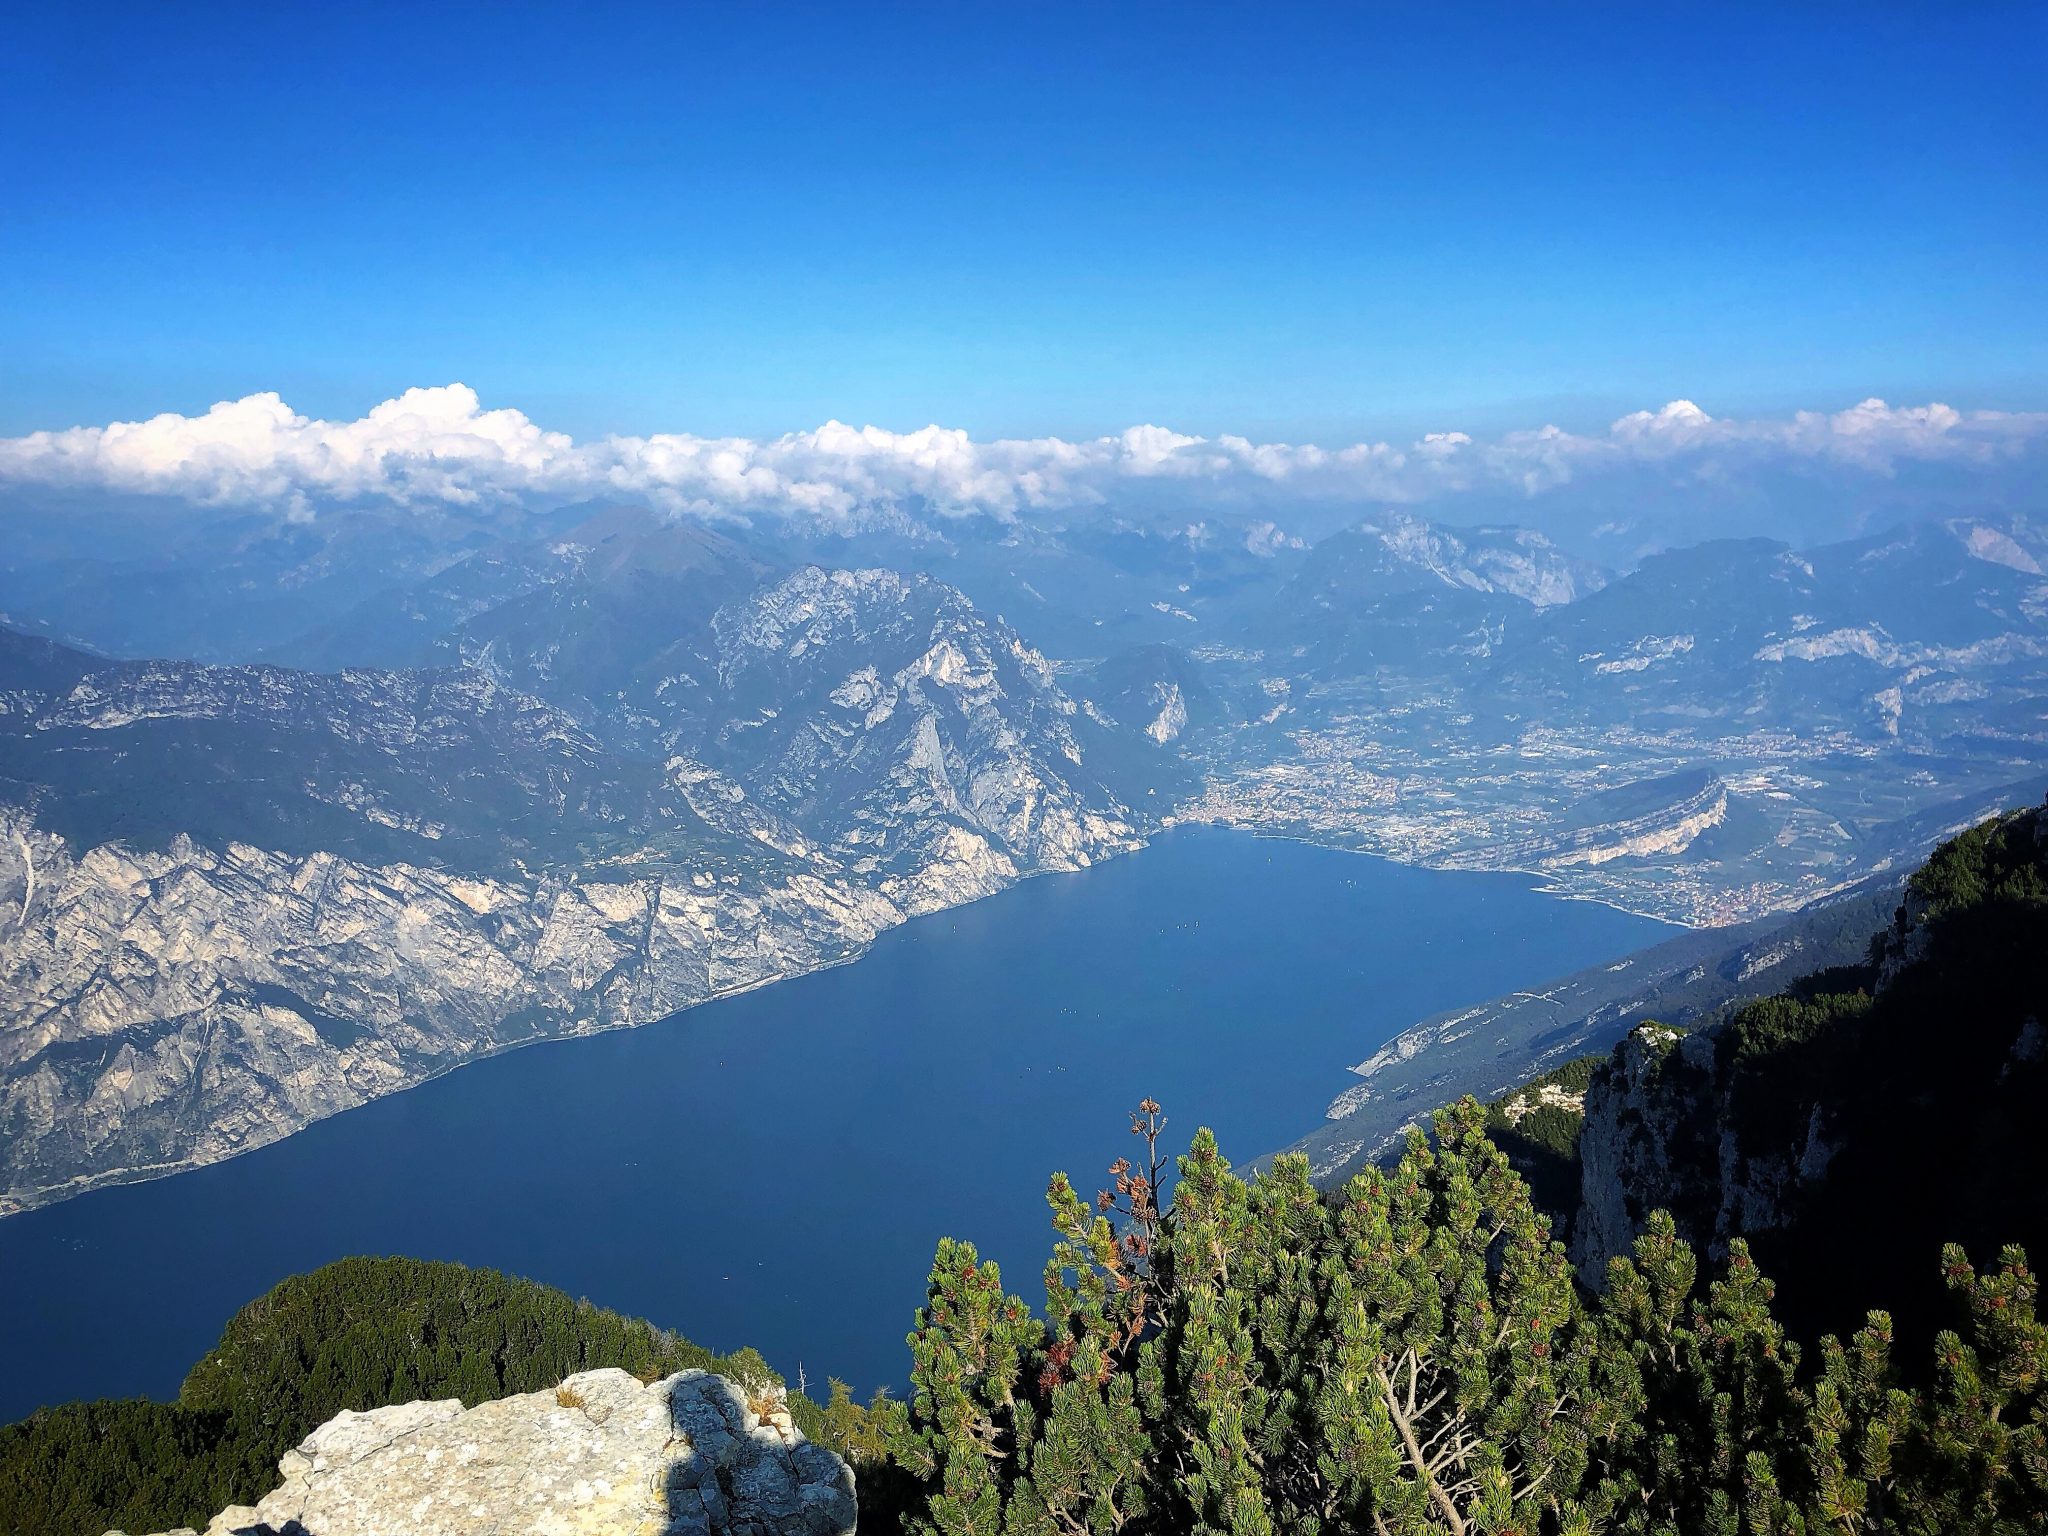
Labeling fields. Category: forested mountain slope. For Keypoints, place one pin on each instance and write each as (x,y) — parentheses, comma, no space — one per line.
(1845,1126)
(357,1334)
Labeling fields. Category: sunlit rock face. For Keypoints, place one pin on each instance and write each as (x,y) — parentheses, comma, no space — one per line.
(168,1009)
(236,899)
(929,745)
(600,1455)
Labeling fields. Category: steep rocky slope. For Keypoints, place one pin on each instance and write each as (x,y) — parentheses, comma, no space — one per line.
(1844,1125)
(234,899)
(1487,1048)
(933,750)
(168,1008)
(919,740)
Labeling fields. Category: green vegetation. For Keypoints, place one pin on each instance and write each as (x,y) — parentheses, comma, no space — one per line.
(1773,1056)
(1407,1355)
(1852,1124)
(1995,862)
(1762,1031)
(1410,1355)
(356,1334)
(1537,1126)
(1893,1109)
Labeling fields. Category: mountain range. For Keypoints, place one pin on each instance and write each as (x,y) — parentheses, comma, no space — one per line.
(294,815)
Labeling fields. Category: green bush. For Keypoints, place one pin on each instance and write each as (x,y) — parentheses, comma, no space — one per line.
(1410,1355)
(356,1334)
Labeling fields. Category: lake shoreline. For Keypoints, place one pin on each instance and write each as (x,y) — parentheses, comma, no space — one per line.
(746,1173)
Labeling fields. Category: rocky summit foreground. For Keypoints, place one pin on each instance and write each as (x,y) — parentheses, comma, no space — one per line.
(600,1455)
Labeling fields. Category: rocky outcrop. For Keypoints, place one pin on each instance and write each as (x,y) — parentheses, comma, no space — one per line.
(1665,1128)
(1840,1082)
(1649,1137)
(600,1455)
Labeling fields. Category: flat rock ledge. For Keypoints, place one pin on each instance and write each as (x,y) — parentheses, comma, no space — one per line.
(602,1453)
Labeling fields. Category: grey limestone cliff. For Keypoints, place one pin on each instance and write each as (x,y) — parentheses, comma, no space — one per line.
(173,1007)
(236,899)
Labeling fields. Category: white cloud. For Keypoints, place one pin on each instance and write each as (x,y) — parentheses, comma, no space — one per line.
(427,445)
(440,446)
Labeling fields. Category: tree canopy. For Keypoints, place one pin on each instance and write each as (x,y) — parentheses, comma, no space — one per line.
(355,1334)
(1410,1354)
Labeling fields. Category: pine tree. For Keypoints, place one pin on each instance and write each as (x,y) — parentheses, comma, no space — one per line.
(1411,1357)
(1464,1345)
(1715,1417)
(968,1352)
(1860,1414)
(1982,1448)
(1199,1377)
(1086,1472)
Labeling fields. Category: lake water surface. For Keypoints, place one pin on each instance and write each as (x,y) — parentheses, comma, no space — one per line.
(775,1169)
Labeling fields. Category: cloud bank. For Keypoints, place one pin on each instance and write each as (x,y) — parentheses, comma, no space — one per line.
(440,446)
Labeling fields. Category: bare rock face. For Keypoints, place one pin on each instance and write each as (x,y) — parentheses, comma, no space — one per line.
(234,900)
(600,1455)
(1662,1132)
(927,743)
(171,1008)
(1649,1131)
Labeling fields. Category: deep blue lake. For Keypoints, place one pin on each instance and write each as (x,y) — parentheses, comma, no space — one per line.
(775,1169)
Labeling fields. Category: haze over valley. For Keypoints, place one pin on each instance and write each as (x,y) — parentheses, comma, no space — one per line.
(1023,771)
(452,779)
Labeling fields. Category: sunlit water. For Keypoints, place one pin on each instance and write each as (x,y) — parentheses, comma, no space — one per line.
(774,1169)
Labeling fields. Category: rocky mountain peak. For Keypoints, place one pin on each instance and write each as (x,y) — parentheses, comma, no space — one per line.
(1396,551)
(2020,543)
(632,540)
(922,739)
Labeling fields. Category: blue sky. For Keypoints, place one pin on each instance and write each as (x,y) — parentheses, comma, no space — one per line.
(1309,223)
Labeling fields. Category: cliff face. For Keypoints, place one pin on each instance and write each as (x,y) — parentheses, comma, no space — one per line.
(1661,1133)
(600,1455)
(1815,1123)
(236,899)
(173,1008)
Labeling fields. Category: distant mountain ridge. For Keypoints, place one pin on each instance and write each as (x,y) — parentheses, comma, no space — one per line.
(610,763)
(235,899)
(1395,552)
(1836,694)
